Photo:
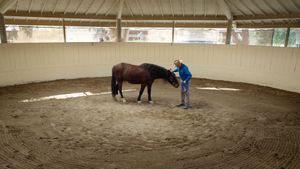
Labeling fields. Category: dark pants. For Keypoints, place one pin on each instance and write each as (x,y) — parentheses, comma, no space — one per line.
(185,93)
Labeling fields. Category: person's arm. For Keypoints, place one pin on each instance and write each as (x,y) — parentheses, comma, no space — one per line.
(189,75)
(175,70)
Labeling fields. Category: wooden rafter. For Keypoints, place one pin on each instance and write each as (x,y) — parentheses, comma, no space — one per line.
(182,7)
(295,5)
(247,7)
(128,7)
(283,6)
(225,8)
(150,9)
(78,7)
(140,7)
(258,7)
(100,7)
(67,6)
(111,7)
(139,24)
(30,6)
(89,7)
(161,8)
(267,17)
(171,7)
(17,5)
(54,9)
(269,6)
(194,7)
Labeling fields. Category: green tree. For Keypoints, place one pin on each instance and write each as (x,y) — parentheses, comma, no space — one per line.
(279,36)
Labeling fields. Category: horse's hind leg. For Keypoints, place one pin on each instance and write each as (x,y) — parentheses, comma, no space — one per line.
(149,85)
(141,92)
(120,84)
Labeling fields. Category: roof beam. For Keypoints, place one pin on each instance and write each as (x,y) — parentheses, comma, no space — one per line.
(63,15)
(113,23)
(225,8)
(59,15)
(266,17)
(131,24)
(59,23)
(269,25)
(5,5)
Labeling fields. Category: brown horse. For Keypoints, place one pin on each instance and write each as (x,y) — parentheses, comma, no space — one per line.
(143,74)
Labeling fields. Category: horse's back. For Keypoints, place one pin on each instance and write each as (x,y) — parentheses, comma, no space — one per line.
(131,73)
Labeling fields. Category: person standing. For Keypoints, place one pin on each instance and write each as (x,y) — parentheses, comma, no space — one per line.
(185,76)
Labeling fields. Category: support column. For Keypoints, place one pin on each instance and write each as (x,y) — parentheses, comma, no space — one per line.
(2,29)
(173,31)
(287,36)
(64,30)
(119,29)
(119,20)
(229,31)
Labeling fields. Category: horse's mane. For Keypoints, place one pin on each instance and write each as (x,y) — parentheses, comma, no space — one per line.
(155,70)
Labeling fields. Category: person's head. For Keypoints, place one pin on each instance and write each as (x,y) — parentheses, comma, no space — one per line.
(178,63)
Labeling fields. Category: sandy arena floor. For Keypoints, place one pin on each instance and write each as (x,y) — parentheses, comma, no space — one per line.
(231,126)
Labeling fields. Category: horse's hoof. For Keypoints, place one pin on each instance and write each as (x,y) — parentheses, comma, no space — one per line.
(139,102)
(151,102)
(124,100)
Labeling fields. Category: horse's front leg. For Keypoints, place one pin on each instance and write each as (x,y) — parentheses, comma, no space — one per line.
(149,86)
(120,84)
(141,92)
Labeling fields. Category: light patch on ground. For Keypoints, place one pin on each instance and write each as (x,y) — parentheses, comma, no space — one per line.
(70,95)
(217,88)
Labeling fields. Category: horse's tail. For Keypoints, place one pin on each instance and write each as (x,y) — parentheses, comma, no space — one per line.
(114,85)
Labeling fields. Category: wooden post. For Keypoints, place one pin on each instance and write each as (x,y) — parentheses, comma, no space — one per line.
(2,29)
(64,30)
(119,20)
(287,36)
(173,31)
(119,29)
(229,31)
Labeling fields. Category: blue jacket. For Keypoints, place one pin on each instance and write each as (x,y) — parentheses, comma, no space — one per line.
(184,72)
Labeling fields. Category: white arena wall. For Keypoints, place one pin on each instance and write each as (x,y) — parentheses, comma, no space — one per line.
(269,66)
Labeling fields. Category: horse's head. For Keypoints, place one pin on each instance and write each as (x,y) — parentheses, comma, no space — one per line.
(172,79)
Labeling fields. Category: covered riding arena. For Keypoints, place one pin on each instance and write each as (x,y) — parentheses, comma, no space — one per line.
(57,112)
